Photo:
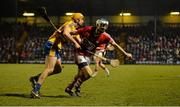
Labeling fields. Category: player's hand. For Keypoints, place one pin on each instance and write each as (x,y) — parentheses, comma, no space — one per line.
(59,31)
(129,55)
(77,46)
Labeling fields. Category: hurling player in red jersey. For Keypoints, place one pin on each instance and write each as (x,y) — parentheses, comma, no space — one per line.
(91,37)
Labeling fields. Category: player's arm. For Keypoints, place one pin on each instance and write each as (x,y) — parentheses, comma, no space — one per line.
(66,32)
(75,32)
(80,31)
(111,41)
(129,55)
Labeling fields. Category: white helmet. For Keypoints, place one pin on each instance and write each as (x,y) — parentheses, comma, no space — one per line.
(102,24)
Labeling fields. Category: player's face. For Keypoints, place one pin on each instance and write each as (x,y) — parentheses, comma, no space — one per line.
(102,27)
(80,22)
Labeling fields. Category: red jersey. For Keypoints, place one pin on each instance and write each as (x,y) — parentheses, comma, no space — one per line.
(99,40)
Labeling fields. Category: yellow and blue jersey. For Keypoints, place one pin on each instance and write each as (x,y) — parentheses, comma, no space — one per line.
(55,41)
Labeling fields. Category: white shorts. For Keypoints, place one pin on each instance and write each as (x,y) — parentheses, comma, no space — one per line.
(82,59)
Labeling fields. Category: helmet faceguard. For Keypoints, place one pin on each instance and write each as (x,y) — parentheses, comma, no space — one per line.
(102,25)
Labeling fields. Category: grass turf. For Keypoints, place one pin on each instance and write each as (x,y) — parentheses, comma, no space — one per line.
(140,85)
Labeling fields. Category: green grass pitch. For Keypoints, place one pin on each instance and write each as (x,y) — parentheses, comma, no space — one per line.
(128,85)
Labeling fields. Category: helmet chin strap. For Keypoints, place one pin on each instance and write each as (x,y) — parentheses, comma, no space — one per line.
(101,29)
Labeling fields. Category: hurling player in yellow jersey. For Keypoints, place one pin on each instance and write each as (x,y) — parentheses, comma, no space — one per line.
(52,47)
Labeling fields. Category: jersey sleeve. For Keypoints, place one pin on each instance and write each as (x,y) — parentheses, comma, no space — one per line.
(110,39)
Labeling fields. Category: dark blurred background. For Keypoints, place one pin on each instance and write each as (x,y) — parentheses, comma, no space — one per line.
(91,7)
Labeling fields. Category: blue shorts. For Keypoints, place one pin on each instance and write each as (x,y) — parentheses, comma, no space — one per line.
(49,51)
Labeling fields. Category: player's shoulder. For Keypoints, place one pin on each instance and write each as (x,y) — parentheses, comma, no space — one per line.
(106,34)
(69,23)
